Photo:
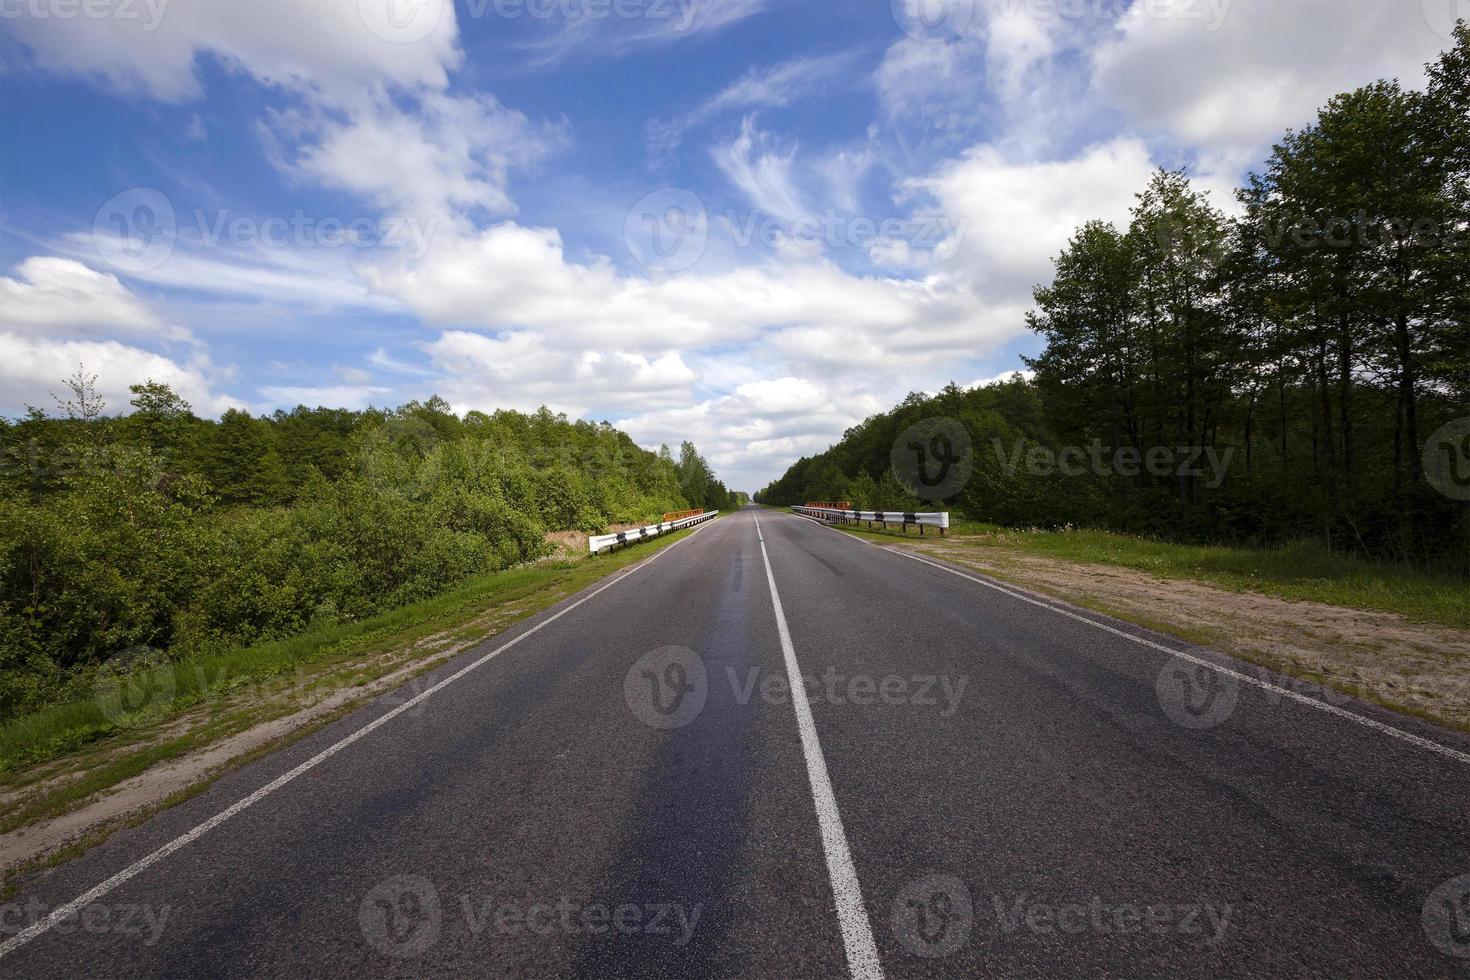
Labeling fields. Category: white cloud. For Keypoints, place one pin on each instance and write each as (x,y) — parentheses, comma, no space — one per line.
(324,46)
(55,296)
(752,434)
(656,24)
(778,85)
(1233,91)
(444,156)
(1001,378)
(523,370)
(32,368)
(355,396)
(1017,217)
(760,172)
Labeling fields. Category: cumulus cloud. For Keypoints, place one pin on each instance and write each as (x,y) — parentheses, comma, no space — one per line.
(54,296)
(32,368)
(1017,217)
(326,46)
(523,370)
(1264,67)
(443,156)
(753,433)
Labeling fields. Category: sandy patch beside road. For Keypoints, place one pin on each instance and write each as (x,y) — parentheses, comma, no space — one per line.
(1423,669)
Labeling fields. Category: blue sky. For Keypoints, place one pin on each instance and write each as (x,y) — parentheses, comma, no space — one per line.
(750,223)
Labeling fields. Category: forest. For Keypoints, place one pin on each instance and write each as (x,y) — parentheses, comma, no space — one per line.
(1298,369)
(151,534)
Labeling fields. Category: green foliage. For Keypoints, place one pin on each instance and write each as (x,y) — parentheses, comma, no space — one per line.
(162,534)
(1302,354)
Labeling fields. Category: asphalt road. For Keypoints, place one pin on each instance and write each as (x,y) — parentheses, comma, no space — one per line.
(969,783)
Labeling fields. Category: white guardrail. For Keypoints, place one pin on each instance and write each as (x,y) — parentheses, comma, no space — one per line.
(939,520)
(597,542)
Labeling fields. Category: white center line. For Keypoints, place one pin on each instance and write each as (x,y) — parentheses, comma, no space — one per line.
(852,915)
(76,905)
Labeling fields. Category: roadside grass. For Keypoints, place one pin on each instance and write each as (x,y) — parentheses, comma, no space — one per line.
(137,709)
(1304,570)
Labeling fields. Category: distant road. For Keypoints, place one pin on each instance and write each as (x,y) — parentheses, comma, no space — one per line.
(971,784)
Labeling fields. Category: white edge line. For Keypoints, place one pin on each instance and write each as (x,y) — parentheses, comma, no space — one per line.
(852,914)
(1297,696)
(71,908)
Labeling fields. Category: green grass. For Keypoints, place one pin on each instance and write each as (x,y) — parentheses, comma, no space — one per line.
(1302,571)
(147,700)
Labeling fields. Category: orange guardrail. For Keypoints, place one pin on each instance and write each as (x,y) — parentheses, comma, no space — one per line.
(830,504)
(675,515)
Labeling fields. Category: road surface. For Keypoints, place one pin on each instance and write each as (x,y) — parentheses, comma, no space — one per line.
(968,782)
